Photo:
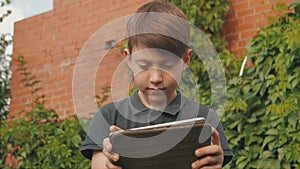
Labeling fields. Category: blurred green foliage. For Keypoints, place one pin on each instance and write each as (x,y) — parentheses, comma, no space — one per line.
(263,106)
(40,139)
(5,65)
(209,17)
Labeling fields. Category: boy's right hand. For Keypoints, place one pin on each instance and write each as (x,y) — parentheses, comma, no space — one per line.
(111,157)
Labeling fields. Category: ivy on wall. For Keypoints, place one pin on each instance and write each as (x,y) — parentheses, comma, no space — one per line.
(262,116)
(209,17)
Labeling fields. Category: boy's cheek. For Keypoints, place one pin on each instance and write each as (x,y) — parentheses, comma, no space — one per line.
(175,74)
(136,71)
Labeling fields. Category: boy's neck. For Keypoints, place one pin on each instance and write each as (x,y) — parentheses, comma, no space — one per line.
(157,105)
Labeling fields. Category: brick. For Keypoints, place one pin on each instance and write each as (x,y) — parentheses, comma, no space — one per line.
(65,3)
(246,26)
(233,45)
(256,3)
(87,2)
(248,34)
(232,37)
(263,8)
(245,12)
(240,51)
(69,47)
(230,28)
(60,91)
(253,18)
(242,44)
(241,5)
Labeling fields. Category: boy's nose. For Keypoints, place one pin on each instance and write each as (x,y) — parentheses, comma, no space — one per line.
(156,76)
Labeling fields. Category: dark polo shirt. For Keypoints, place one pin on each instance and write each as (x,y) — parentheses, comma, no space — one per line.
(131,113)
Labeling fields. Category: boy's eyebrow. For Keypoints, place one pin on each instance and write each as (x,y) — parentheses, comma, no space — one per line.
(141,60)
(147,53)
(172,60)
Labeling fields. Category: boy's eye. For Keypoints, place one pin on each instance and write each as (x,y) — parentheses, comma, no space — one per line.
(168,65)
(164,65)
(143,65)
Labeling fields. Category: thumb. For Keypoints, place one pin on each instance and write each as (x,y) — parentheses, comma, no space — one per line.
(114,128)
(215,137)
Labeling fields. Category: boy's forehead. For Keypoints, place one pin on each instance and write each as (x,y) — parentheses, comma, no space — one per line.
(153,53)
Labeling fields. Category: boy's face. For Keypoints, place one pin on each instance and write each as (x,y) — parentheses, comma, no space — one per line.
(156,74)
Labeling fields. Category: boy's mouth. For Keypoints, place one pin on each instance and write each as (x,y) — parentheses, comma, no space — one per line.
(156,89)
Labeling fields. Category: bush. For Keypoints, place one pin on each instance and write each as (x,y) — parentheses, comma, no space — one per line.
(5,66)
(263,107)
(40,139)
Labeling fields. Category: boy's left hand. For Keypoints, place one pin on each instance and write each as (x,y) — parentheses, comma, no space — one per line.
(212,156)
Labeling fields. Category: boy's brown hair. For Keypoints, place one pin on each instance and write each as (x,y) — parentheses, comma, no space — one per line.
(159,25)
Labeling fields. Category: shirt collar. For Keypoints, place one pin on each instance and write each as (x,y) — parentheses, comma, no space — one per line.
(172,108)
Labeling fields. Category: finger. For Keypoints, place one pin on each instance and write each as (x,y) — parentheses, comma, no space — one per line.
(114,128)
(107,145)
(215,137)
(216,166)
(211,150)
(110,165)
(107,150)
(200,163)
(208,161)
(111,156)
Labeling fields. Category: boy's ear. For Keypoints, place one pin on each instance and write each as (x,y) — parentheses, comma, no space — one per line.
(126,53)
(187,58)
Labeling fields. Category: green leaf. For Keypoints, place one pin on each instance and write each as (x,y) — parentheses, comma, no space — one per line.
(293,120)
(267,140)
(267,154)
(294,83)
(234,124)
(241,159)
(242,164)
(272,132)
(236,140)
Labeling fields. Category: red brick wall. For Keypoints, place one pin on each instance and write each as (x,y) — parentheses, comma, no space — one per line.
(51,43)
(245,18)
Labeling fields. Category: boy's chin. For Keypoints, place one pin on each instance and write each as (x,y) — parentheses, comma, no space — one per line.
(158,100)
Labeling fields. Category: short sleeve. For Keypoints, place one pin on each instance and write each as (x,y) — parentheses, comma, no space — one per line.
(98,131)
(214,120)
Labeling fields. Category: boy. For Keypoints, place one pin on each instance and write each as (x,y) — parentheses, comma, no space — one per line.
(157,61)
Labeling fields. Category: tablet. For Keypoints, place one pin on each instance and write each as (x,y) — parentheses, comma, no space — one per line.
(168,145)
